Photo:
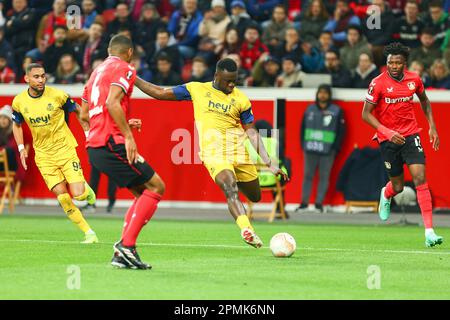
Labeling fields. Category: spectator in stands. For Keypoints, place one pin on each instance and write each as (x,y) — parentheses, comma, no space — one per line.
(320,149)
(7,75)
(148,25)
(184,25)
(20,30)
(60,47)
(291,46)
(292,75)
(342,18)
(243,75)
(313,21)
(439,75)
(427,52)
(215,22)
(252,48)
(2,17)
(8,142)
(7,50)
(275,30)
(311,58)
(418,67)
(41,7)
(232,43)
(397,7)
(91,48)
(200,70)
(365,71)
(261,10)
(340,76)
(207,50)
(409,28)
(162,46)
(142,69)
(165,76)
(68,71)
(122,21)
(89,17)
(25,63)
(239,17)
(438,21)
(266,71)
(379,36)
(355,45)
(47,25)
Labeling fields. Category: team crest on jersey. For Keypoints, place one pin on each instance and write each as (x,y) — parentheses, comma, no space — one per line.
(387,165)
(411,85)
(25,110)
(390,90)
(371,88)
(327,120)
(208,95)
(50,107)
(233,101)
(129,75)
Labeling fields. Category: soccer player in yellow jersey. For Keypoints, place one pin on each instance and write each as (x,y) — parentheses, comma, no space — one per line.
(42,109)
(224,120)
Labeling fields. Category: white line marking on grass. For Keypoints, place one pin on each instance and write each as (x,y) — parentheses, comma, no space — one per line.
(187,245)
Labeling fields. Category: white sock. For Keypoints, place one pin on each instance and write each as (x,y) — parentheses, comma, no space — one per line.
(429,231)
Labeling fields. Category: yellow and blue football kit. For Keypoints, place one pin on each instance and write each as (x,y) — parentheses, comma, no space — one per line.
(53,142)
(218,118)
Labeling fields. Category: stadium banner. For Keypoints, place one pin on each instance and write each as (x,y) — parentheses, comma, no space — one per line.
(168,129)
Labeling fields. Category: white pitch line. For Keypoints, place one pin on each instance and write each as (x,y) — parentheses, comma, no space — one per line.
(187,245)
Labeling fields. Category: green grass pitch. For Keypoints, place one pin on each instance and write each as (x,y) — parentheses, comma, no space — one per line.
(208,260)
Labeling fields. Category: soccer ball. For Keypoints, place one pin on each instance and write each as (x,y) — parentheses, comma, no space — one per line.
(282,245)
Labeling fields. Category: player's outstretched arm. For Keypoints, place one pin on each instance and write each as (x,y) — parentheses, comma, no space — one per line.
(18,136)
(155,91)
(115,110)
(368,117)
(257,143)
(82,118)
(426,107)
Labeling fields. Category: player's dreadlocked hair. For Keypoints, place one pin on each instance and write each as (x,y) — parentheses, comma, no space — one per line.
(396,48)
(227,65)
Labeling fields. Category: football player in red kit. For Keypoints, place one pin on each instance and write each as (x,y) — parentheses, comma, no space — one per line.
(112,149)
(389,109)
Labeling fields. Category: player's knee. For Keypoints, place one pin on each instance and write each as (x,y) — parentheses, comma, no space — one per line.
(161,188)
(419,180)
(230,190)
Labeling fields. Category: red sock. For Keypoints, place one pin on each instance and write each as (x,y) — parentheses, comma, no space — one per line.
(128,216)
(144,209)
(389,191)
(425,204)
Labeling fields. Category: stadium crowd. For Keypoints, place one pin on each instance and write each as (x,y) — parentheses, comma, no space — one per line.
(275,43)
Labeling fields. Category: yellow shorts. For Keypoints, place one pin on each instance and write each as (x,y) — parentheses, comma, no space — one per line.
(65,166)
(243,172)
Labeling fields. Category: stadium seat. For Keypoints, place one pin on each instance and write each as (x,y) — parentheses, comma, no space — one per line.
(108,16)
(6,179)
(278,202)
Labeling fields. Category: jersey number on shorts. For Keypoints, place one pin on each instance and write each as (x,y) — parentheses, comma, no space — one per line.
(418,145)
(76,166)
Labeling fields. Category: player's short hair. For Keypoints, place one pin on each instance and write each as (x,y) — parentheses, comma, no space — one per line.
(32,66)
(120,43)
(396,48)
(227,65)
(435,4)
(414,2)
(163,30)
(428,30)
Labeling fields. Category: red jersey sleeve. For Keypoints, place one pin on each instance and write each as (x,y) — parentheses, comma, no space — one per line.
(419,86)
(374,92)
(124,77)
(85,95)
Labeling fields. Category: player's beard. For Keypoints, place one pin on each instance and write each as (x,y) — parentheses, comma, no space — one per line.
(37,90)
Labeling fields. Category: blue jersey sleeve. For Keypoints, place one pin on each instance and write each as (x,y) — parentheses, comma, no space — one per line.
(182,93)
(17,117)
(70,105)
(247,116)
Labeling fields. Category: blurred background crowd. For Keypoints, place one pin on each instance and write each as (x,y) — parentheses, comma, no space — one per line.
(276,43)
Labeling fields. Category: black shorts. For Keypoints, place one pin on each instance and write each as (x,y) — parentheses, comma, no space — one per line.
(394,155)
(112,161)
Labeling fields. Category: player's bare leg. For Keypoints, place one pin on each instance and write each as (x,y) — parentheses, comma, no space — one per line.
(425,203)
(82,191)
(73,213)
(141,211)
(226,180)
(393,187)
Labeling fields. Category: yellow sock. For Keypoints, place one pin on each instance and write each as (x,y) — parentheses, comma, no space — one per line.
(72,212)
(243,222)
